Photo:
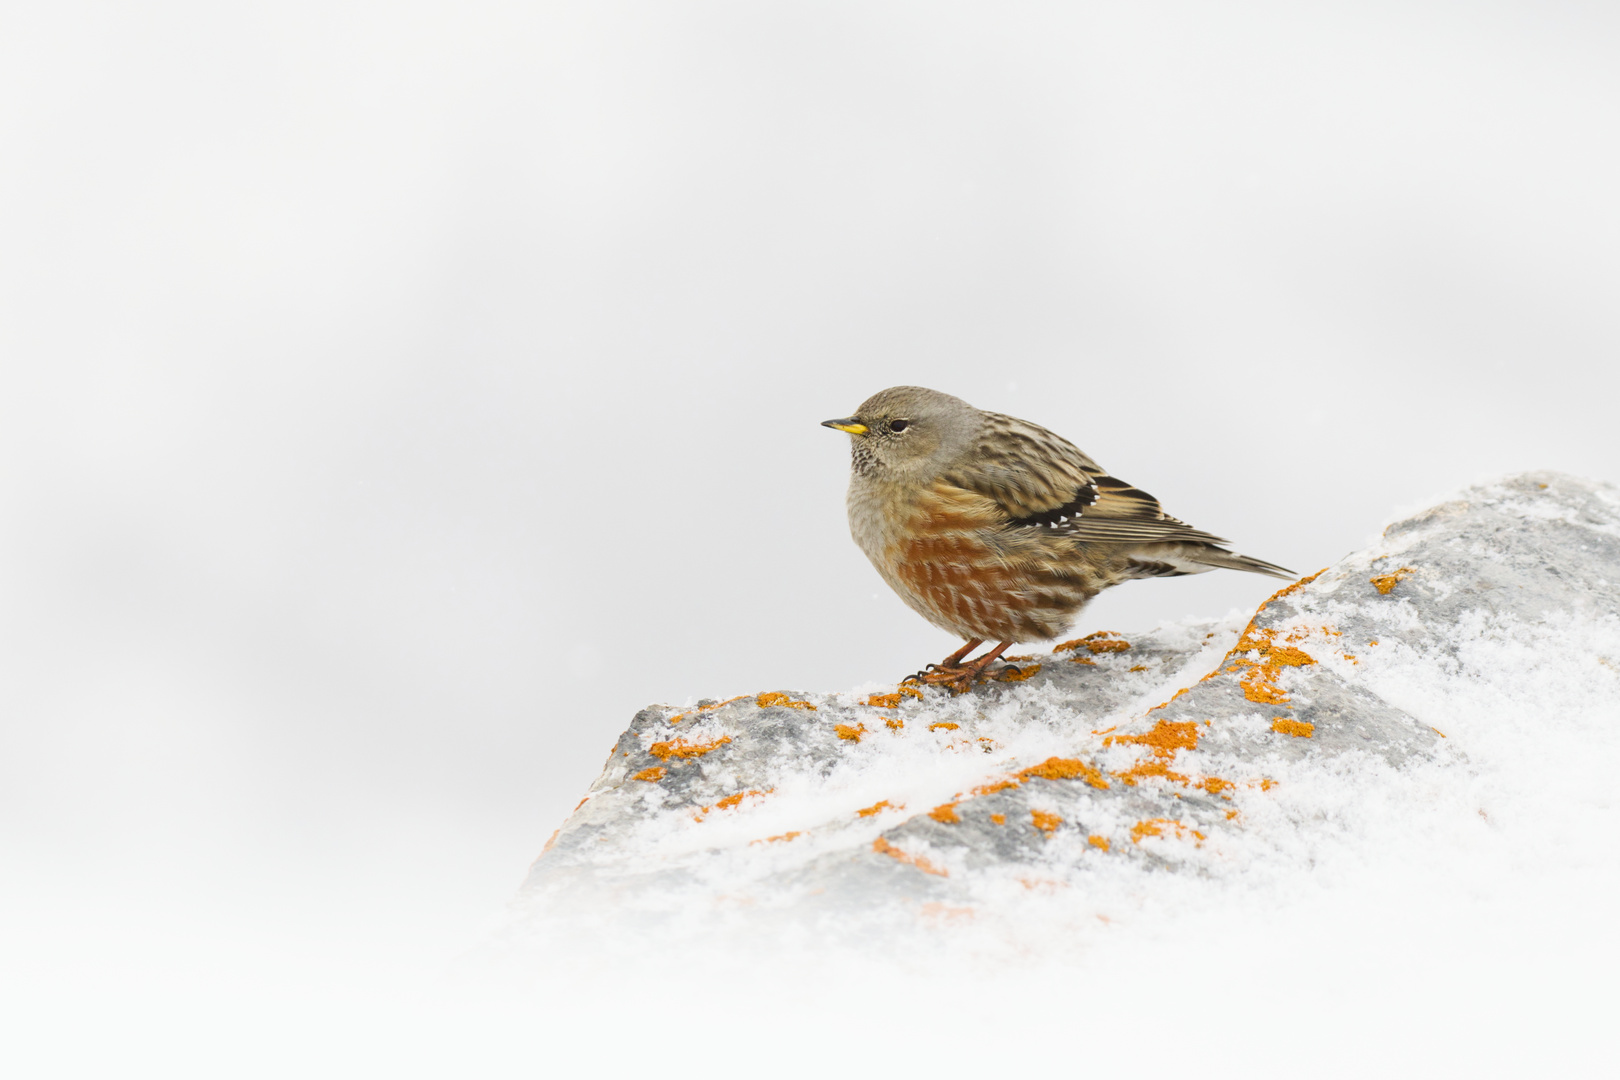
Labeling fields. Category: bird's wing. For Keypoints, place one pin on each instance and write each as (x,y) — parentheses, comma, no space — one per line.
(1041,480)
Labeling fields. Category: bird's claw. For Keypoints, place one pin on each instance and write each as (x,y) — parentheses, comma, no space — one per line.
(961,680)
(956,680)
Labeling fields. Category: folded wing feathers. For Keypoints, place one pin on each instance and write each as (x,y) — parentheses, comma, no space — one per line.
(1041,480)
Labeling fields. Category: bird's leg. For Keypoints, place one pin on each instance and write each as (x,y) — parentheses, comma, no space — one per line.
(955,659)
(976,668)
(948,668)
(960,679)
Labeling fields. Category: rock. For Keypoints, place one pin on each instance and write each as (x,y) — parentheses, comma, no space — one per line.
(1111,767)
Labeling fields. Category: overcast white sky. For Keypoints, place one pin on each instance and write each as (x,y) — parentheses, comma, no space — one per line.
(398,396)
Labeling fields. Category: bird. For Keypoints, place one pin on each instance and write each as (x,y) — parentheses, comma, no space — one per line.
(995,529)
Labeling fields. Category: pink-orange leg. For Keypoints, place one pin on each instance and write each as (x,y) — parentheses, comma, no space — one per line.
(976,667)
(957,675)
(950,667)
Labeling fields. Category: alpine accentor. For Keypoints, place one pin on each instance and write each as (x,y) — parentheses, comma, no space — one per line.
(996,529)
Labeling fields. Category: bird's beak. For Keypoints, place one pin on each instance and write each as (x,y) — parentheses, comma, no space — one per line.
(851,424)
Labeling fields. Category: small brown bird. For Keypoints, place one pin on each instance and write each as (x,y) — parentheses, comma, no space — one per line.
(996,529)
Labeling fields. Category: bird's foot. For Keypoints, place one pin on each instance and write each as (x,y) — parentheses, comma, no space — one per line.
(938,674)
(959,678)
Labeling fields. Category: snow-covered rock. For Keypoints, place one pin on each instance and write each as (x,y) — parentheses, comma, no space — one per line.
(1402,683)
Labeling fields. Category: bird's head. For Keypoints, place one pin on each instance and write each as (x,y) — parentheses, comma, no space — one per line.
(908,432)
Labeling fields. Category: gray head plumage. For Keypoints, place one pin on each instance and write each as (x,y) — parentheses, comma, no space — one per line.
(907,432)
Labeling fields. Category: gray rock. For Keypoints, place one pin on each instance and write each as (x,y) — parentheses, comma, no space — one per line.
(1115,767)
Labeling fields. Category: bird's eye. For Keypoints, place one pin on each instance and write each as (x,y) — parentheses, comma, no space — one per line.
(898,425)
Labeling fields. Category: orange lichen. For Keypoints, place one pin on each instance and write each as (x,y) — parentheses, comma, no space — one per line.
(894,725)
(999,819)
(995,786)
(776,698)
(652,775)
(729,801)
(1290,589)
(1103,641)
(1050,769)
(1098,841)
(1139,667)
(1065,769)
(1385,583)
(892,701)
(1016,674)
(850,733)
(943,725)
(1164,740)
(1157,827)
(1260,684)
(1086,660)
(558,832)
(582,802)
(1370,643)
(1105,730)
(1230,814)
(705,708)
(878,808)
(1017,659)
(1299,729)
(1264,641)
(1254,639)
(782,838)
(1044,821)
(1437,731)
(1173,697)
(1149,768)
(1259,678)
(680,748)
(1266,783)
(883,847)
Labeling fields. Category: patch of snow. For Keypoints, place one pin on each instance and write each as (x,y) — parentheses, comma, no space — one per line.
(1424,771)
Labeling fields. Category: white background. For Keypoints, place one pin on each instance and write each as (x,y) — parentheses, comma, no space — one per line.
(398,396)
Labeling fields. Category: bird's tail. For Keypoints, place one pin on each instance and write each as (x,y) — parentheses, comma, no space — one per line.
(1173,560)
